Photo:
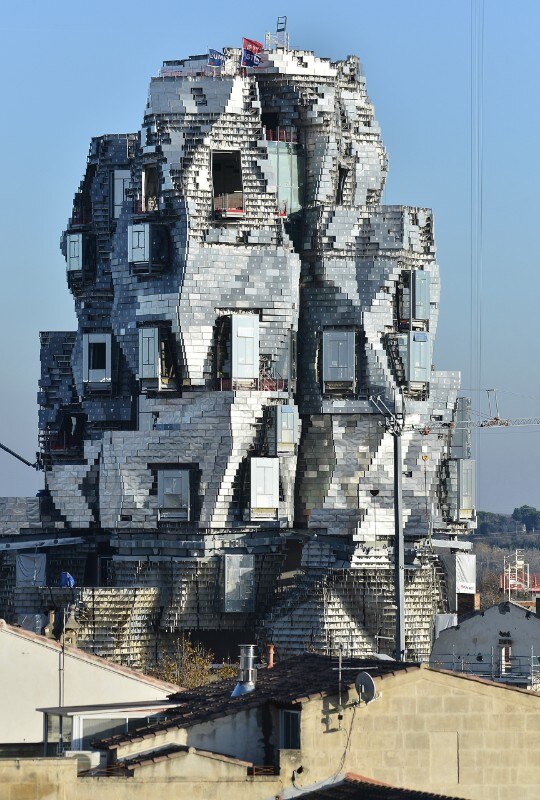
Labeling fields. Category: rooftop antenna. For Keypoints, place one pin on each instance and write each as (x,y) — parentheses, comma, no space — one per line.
(280,39)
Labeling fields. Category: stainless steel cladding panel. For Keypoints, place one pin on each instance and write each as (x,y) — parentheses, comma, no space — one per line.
(245,346)
(460,445)
(286,423)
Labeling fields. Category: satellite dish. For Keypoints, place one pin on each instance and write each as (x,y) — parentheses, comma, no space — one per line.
(365,687)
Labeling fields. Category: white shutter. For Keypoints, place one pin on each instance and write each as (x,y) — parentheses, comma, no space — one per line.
(74,251)
(121,183)
(139,243)
(264,488)
(148,353)
(421,294)
(245,346)
(174,494)
(419,357)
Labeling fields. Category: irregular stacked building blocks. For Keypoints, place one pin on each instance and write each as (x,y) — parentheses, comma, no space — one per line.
(208,430)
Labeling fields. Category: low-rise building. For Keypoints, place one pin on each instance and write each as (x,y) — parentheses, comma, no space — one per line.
(501,643)
(301,728)
(37,672)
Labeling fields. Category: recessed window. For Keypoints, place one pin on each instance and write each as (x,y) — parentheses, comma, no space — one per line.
(97,361)
(80,252)
(227,184)
(156,359)
(174,494)
(264,489)
(120,183)
(290,730)
(150,188)
(148,248)
(339,363)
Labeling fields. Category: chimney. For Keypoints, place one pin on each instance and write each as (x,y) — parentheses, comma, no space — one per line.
(247,674)
(270,656)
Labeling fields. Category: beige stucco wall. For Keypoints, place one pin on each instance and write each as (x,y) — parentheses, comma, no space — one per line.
(428,731)
(38,779)
(433,732)
(29,679)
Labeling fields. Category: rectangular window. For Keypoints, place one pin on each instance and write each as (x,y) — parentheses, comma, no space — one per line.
(245,347)
(421,294)
(239,583)
(148,247)
(148,354)
(174,494)
(74,251)
(121,182)
(282,434)
(227,184)
(467,488)
(150,188)
(419,357)
(338,361)
(97,360)
(290,730)
(264,489)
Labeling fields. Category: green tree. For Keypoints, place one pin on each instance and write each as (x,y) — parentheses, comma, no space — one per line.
(529,516)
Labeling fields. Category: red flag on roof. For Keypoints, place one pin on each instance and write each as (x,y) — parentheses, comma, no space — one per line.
(250,52)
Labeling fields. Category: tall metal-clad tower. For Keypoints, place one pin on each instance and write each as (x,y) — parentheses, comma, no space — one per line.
(216,460)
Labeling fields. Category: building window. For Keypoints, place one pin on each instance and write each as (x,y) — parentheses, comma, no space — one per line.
(339,363)
(150,188)
(264,489)
(121,182)
(174,495)
(245,347)
(148,248)
(80,252)
(156,360)
(97,361)
(290,730)
(227,185)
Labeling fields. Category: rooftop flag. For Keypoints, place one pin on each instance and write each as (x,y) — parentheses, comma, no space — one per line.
(250,52)
(215,58)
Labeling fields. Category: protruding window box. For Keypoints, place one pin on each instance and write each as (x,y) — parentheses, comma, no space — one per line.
(148,248)
(264,505)
(282,432)
(97,362)
(80,253)
(156,363)
(174,495)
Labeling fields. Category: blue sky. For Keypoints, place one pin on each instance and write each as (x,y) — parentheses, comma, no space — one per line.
(69,71)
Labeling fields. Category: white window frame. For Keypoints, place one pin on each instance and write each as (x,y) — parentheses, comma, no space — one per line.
(97,378)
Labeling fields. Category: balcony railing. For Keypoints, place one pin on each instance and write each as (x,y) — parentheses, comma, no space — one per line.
(288,134)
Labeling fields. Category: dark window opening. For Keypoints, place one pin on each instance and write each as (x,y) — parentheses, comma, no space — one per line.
(290,730)
(342,177)
(227,185)
(97,355)
(150,187)
(403,301)
(167,377)
(223,359)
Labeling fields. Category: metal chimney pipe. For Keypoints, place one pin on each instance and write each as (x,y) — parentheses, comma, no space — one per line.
(270,656)
(247,674)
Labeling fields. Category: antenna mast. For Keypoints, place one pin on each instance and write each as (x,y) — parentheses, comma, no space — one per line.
(280,39)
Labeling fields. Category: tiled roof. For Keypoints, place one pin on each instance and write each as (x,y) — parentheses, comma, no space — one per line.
(292,681)
(356,787)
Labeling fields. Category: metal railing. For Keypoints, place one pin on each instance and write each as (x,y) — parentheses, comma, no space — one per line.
(494,666)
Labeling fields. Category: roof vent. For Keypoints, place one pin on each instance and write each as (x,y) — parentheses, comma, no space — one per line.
(247,674)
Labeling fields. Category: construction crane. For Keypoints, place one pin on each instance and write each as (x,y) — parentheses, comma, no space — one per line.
(38,464)
(493,421)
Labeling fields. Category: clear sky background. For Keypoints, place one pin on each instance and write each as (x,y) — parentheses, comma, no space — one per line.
(70,71)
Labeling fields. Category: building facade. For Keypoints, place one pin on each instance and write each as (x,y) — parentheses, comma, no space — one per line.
(245,308)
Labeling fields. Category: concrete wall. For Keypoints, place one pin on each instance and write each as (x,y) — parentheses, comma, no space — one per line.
(433,732)
(29,679)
